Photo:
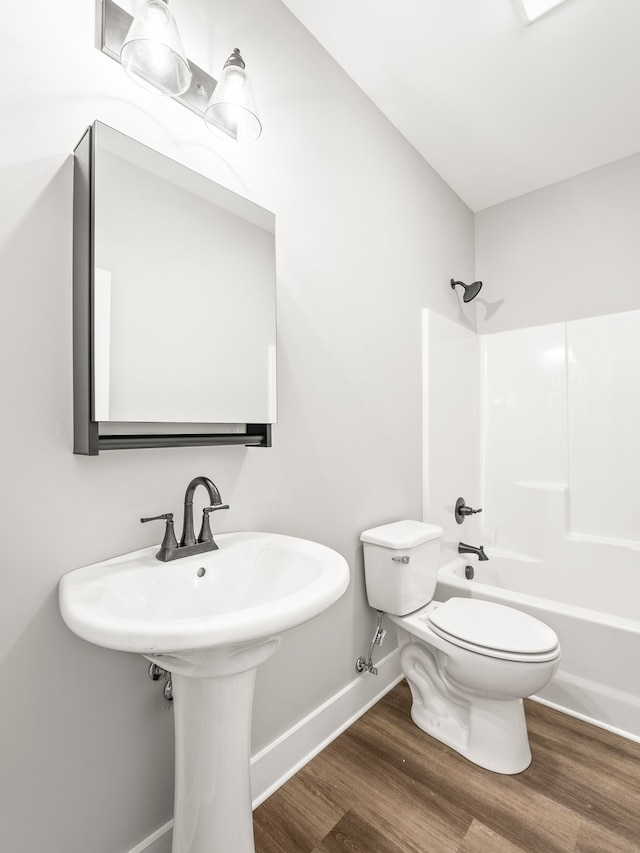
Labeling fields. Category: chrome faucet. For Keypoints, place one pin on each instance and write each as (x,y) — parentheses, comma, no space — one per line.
(471,549)
(170,550)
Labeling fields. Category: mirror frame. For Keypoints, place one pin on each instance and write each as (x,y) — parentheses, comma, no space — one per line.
(87,439)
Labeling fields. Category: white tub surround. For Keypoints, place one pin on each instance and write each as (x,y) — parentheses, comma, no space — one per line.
(561,414)
(539,426)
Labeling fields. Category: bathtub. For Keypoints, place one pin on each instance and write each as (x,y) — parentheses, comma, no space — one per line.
(598,679)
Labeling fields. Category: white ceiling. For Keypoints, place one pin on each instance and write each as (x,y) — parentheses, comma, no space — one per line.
(496,107)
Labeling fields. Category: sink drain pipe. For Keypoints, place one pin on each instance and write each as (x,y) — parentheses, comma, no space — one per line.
(379,634)
(155,673)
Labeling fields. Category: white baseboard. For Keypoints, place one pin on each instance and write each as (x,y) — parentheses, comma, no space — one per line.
(281,759)
(593,721)
(271,767)
(158,842)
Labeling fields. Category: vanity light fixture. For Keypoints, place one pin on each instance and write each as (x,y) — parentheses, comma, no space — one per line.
(149,48)
(152,53)
(232,110)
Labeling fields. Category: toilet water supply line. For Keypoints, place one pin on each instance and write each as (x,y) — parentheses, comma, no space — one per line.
(379,634)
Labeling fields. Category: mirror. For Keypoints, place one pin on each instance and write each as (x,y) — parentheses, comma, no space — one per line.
(174,303)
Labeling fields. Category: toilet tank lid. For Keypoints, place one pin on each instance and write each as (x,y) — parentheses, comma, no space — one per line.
(402,534)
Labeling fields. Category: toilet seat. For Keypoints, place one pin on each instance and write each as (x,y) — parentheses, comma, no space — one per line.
(493,630)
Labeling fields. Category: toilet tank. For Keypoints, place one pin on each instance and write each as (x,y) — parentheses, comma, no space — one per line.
(401,563)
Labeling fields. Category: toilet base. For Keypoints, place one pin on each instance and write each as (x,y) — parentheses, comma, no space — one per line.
(495,739)
(487,731)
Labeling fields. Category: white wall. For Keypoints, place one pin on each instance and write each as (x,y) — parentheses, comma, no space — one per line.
(367,236)
(565,252)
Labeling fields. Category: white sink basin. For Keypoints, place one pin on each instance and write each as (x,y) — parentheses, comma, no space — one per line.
(209,620)
(255,586)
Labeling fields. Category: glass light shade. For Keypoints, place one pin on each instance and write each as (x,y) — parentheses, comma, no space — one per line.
(231,112)
(152,53)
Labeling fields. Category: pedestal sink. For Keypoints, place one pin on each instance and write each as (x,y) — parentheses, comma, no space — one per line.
(210,620)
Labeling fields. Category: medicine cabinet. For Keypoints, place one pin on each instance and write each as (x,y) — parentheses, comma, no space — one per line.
(174,304)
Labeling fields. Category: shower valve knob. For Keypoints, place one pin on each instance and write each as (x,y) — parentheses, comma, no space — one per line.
(462,510)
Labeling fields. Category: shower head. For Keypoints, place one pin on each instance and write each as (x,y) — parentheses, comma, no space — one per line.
(470,290)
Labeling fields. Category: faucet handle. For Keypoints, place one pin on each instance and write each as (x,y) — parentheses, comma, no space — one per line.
(169,543)
(205,534)
(168,516)
(462,510)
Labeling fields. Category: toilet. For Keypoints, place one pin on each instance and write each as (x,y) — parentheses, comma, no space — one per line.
(469,663)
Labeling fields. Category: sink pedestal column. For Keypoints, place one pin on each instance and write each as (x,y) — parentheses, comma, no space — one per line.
(213,804)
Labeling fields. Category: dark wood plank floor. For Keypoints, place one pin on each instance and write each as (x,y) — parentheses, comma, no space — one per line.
(384,786)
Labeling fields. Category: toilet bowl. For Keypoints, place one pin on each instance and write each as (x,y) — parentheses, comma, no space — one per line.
(469,663)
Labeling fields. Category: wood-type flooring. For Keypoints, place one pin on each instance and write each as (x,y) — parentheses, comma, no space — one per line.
(384,786)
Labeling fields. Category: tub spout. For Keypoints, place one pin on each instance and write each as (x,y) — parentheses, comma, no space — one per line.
(471,549)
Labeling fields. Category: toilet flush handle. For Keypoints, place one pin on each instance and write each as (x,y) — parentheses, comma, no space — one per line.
(404,559)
